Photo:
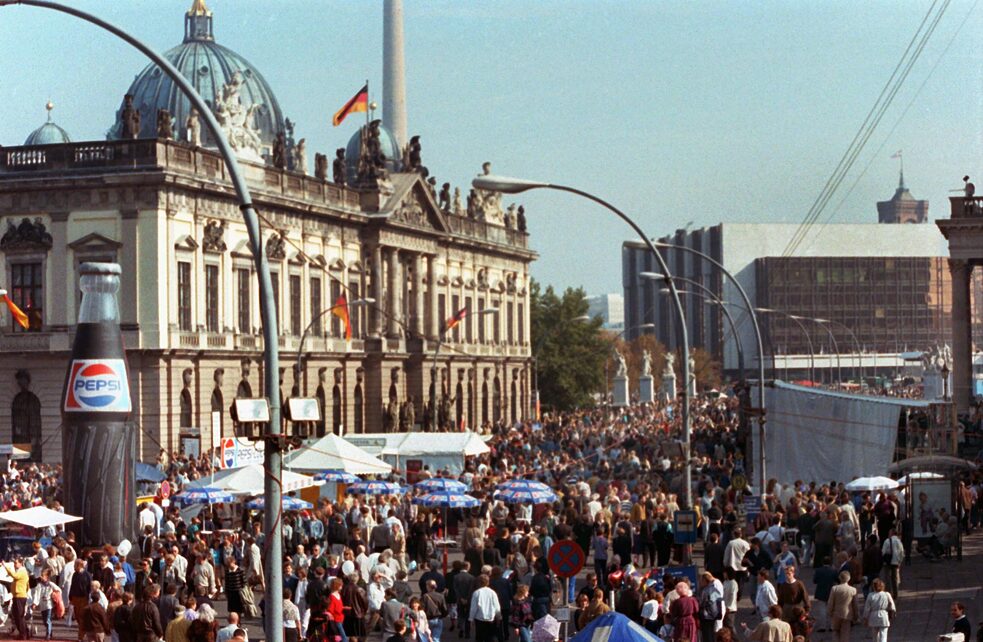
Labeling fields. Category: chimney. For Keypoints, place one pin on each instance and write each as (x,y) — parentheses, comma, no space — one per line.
(394,72)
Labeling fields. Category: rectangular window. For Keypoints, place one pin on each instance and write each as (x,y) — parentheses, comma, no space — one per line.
(336,329)
(211,298)
(521,322)
(441,314)
(355,311)
(26,291)
(295,311)
(244,303)
(509,326)
(455,306)
(317,306)
(275,278)
(482,320)
(469,322)
(497,329)
(184,296)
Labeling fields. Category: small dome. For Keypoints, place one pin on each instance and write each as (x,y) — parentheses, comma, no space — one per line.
(394,155)
(209,66)
(48,133)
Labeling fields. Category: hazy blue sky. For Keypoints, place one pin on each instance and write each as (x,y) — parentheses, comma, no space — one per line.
(675,111)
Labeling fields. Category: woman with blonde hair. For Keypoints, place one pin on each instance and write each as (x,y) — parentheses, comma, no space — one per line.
(879,610)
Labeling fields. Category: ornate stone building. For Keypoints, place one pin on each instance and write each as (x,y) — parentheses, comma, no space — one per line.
(158,202)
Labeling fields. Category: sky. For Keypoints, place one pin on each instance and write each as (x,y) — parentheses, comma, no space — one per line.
(687,112)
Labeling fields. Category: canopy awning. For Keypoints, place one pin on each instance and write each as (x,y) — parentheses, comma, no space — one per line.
(249,480)
(38,517)
(331,452)
(932,463)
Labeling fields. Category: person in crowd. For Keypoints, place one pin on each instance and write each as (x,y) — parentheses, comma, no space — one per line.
(879,610)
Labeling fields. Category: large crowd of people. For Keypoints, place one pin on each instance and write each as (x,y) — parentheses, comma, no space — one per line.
(358,567)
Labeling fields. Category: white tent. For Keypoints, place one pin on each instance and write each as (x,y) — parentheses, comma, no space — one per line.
(438,450)
(248,480)
(38,517)
(331,452)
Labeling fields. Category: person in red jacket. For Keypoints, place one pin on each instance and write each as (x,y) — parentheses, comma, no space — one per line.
(336,609)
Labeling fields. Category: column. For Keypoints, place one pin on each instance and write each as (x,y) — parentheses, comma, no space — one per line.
(392,295)
(962,342)
(375,314)
(432,296)
(417,321)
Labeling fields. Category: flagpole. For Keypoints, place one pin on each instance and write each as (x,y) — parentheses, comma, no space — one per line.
(368,99)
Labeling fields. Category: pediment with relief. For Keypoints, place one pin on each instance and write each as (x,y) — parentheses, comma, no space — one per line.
(94,241)
(414,205)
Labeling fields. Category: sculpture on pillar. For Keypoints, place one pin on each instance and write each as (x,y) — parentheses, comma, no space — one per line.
(488,204)
(520,219)
(669,372)
(338,166)
(458,208)
(371,160)
(236,120)
(320,166)
(300,156)
(410,413)
(444,200)
(413,158)
(428,417)
(192,127)
(646,363)
(622,370)
(165,124)
(130,119)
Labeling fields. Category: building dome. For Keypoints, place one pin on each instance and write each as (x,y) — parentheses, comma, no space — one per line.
(48,133)
(209,66)
(394,155)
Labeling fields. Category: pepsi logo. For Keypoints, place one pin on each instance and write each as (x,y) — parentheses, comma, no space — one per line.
(98,386)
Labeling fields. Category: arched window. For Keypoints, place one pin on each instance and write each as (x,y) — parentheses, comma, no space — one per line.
(357,426)
(25,415)
(336,409)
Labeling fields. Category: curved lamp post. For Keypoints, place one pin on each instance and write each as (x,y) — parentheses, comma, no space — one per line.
(273,622)
(825,325)
(762,410)
(535,360)
(710,298)
(856,343)
(812,350)
(320,315)
(517,185)
(433,370)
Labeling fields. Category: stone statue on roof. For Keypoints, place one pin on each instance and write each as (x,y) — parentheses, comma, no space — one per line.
(236,120)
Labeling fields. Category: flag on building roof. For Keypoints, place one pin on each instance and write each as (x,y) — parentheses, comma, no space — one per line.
(358,103)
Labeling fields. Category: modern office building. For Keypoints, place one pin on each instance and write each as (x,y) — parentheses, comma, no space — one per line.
(160,203)
(878,289)
(611,309)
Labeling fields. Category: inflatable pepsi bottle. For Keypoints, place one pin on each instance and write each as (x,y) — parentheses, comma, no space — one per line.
(98,440)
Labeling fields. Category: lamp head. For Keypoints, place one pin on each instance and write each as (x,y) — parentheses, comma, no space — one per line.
(492,310)
(364,301)
(3,292)
(505,184)
(582,317)
(651,275)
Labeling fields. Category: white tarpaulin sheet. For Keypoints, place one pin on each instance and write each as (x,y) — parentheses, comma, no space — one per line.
(821,435)
(38,517)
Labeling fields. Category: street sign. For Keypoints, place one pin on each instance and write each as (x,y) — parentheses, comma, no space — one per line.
(739,482)
(752,508)
(684,526)
(165,489)
(566,558)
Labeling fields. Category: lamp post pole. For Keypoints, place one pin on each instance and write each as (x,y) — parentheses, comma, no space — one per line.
(832,340)
(273,622)
(798,322)
(762,410)
(856,343)
(515,186)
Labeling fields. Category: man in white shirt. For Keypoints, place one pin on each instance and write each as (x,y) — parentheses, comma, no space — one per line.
(892,552)
(766,595)
(734,554)
(226,632)
(147,518)
(484,609)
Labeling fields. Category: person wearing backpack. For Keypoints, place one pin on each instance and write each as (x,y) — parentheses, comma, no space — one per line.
(711,611)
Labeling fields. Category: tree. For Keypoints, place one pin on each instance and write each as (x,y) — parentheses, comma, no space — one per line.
(705,368)
(569,354)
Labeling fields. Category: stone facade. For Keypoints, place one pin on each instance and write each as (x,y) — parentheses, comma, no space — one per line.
(189,301)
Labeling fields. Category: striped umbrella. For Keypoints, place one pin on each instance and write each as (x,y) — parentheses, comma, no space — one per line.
(337,476)
(374,487)
(204,495)
(441,484)
(446,499)
(525,491)
(289,503)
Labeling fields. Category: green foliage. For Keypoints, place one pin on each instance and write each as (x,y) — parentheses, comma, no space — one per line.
(570,353)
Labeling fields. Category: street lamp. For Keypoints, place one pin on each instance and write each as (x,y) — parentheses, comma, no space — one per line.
(517,185)
(711,299)
(856,343)
(812,350)
(272,526)
(825,324)
(318,317)
(762,411)
(433,370)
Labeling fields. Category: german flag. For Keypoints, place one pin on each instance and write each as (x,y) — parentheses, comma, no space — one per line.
(17,313)
(457,318)
(340,310)
(358,103)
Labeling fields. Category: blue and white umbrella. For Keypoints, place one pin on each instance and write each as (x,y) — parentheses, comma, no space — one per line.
(446,499)
(288,503)
(441,484)
(374,487)
(336,476)
(205,495)
(525,491)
